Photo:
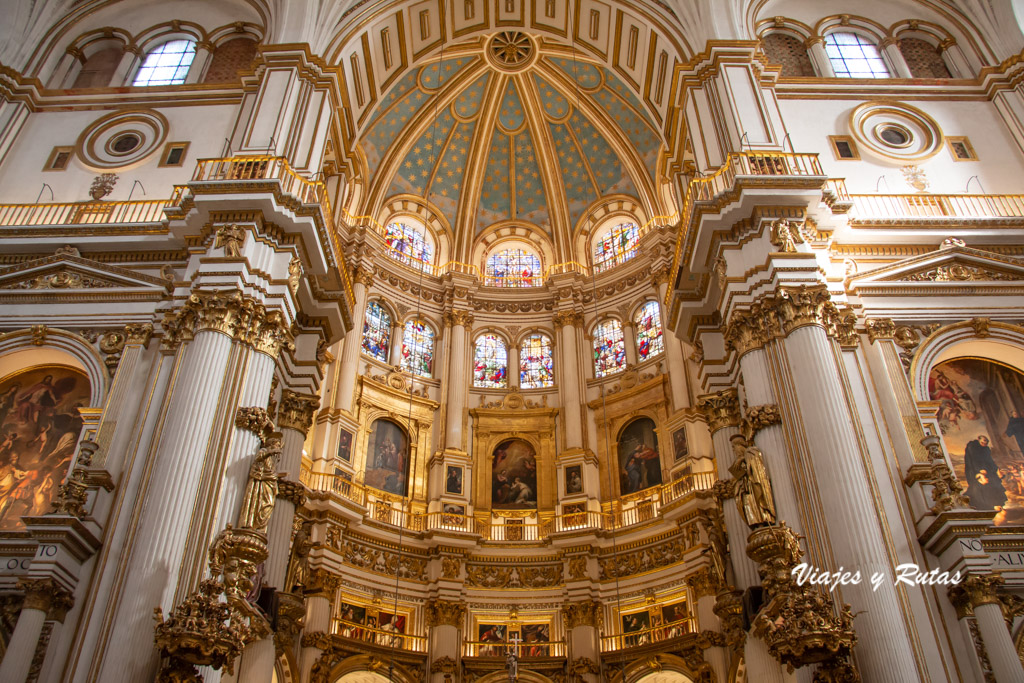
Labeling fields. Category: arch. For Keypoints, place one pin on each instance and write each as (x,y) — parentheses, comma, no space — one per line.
(513,263)
(18,347)
(1004,344)
(167,63)
(229,57)
(426,215)
(601,213)
(789,52)
(410,242)
(349,668)
(510,234)
(387,458)
(525,675)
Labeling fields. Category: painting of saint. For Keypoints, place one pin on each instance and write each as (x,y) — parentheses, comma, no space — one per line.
(514,476)
(639,462)
(387,458)
(453,481)
(345,446)
(535,637)
(980,408)
(680,447)
(631,624)
(574,480)
(39,429)
(490,634)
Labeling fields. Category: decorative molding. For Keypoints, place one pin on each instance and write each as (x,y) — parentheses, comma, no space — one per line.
(521,576)
(567,318)
(445,613)
(721,409)
(46,595)
(296,411)
(584,613)
(244,319)
(255,420)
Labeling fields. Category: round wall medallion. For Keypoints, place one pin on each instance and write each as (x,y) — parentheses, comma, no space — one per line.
(896,131)
(511,51)
(122,138)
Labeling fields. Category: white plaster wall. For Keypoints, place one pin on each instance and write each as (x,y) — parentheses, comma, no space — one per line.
(999,167)
(22,175)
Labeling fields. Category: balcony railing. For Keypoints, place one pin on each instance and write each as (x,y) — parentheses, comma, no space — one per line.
(83,213)
(629,511)
(925,206)
(379,636)
(525,650)
(652,634)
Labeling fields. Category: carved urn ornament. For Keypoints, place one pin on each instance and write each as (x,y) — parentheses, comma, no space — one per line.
(102,185)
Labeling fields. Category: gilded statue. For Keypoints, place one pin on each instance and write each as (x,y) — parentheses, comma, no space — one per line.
(785,235)
(753,487)
(261,489)
(298,566)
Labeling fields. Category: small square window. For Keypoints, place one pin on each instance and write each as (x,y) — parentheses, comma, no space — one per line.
(174,154)
(960,149)
(59,159)
(843,147)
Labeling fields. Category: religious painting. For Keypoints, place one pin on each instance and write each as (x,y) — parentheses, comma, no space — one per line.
(673,617)
(39,430)
(490,636)
(679,446)
(453,515)
(342,482)
(573,480)
(534,640)
(352,616)
(387,458)
(638,624)
(514,476)
(639,462)
(391,624)
(453,480)
(345,446)
(574,514)
(981,415)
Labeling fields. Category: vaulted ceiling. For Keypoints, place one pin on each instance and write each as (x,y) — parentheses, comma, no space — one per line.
(509,132)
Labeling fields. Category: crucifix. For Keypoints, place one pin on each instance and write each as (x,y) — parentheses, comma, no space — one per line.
(512,660)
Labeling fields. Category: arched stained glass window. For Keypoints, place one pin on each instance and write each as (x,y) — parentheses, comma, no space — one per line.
(854,56)
(536,367)
(513,268)
(377,331)
(490,362)
(418,348)
(617,245)
(609,348)
(648,331)
(166,64)
(409,244)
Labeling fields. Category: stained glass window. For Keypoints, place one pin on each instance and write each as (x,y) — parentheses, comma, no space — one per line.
(377,331)
(490,367)
(854,56)
(617,245)
(648,331)
(418,348)
(166,64)
(609,348)
(408,244)
(513,268)
(536,368)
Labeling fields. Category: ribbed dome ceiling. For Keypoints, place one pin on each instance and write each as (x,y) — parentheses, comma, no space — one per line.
(493,144)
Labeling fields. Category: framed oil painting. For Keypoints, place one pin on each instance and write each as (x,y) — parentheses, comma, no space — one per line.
(453,480)
(680,448)
(345,446)
(639,462)
(387,458)
(633,625)
(491,638)
(454,515)
(39,430)
(573,480)
(534,640)
(981,415)
(514,476)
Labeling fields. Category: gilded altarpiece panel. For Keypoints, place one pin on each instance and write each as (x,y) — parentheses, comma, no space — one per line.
(390,400)
(614,412)
(523,429)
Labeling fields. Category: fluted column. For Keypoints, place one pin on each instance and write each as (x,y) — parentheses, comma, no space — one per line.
(317,627)
(629,337)
(572,399)
(197,69)
(582,621)
(885,652)
(444,621)
(126,67)
(703,589)
(818,56)
(891,49)
(513,365)
(165,524)
(397,337)
(44,599)
(295,417)
(980,594)
(459,367)
(674,360)
(353,344)
(67,69)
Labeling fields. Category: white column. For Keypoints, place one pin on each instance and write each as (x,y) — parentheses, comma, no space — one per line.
(318,620)
(458,379)
(513,365)
(998,644)
(395,354)
(891,50)
(126,67)
(717,657)
(444,621)
(197,69)
(580,620)
(44,598)
(822,64)
(675,363)
(572,398)
(352,346)
(885,652)
(955,60)
(743,567)
(67,69)
(629,337)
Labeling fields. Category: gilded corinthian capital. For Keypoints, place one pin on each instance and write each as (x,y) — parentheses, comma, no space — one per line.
(567,318)
(720,409)
(445,613)
(585,613)
(457,317)
(244,319)
(296,411)
(46,595)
